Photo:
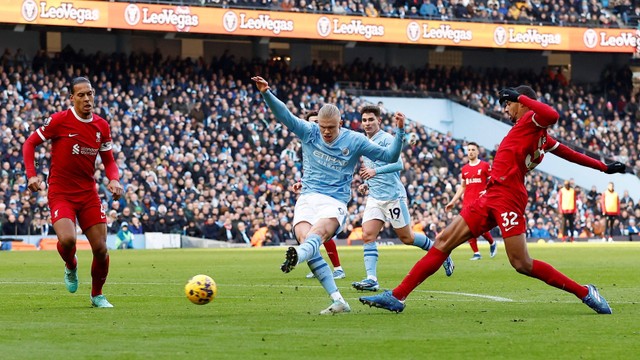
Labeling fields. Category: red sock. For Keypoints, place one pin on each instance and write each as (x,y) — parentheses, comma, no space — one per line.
(330,246)
(99,271)
(488,237)
(474,245)
(555,278)
(424,268)
(68,255)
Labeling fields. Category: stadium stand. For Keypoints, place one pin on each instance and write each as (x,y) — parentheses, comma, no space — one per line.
(193,140)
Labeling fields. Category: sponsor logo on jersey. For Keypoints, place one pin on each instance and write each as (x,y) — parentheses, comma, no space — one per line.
(76,149)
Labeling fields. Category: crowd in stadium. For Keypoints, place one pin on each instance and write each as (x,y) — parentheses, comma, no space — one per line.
(604,13)
(199,153)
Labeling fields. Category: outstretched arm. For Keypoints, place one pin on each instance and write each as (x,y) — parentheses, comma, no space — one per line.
(279,109)
(573,156)
(389,154)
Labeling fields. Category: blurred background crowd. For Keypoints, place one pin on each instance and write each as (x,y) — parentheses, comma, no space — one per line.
(200,154)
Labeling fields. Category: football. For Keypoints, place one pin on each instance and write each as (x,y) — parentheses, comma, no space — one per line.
(201,289)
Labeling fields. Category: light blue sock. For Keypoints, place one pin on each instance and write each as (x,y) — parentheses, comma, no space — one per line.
(422,241)
(309,247)
(371,260)
(321,270)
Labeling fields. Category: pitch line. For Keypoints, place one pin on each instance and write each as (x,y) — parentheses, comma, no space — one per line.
(482,296)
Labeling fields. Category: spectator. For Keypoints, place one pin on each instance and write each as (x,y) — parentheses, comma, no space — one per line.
(124,238)
(540,231)
(243,235)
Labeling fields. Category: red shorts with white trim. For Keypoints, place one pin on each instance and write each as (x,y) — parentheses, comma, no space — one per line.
(497,207)
(87,208)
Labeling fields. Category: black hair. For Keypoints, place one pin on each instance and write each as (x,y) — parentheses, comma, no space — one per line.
(78,80)
(309,114)
(474,144)
(374,109)
(526,91)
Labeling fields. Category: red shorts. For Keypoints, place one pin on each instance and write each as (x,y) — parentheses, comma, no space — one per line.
(497,207)
(87,208)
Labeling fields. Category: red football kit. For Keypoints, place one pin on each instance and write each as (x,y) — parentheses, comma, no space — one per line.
(519,152)
(76,142)
(475,178)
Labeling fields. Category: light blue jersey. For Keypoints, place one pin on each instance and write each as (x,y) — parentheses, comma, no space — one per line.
(386,185)
(328,168)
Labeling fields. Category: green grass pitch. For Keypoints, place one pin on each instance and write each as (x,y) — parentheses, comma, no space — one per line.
(484,311)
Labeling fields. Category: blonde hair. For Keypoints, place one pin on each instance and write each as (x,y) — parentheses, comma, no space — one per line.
(329,111)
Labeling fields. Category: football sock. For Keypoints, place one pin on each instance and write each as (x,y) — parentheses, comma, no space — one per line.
(425,267)
(474,245)
(309,247)
(422,241)
(371,260)
(99,271)
(337,296)
(337,268)
(323,273)
(488,237)
(68,255)
(547,273)
(332,252)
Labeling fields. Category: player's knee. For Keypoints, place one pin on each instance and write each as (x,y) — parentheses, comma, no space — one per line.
(522,266)
(406,239)
(67,240)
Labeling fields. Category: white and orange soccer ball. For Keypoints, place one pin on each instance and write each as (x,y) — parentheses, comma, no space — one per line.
(201,289)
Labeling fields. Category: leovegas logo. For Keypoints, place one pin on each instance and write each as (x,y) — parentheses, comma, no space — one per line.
(179,17)
(592,39)
(502,36)
(441,32)
(29,10)
(326,27)
(132,14)
(231,21)
(65,11)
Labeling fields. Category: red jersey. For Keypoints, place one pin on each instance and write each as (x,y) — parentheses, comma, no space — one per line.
(475,178)
(75,143)
(523,148)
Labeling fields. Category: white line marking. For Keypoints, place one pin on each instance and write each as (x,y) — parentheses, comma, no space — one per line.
(488,297)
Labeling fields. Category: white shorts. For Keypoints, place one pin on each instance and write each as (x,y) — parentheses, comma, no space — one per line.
(395,211)
(313,207)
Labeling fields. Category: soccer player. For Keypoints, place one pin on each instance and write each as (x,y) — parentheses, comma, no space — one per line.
(303,228)
(386,201)
(474,178)
(504,202)
(330,155)
(78,136)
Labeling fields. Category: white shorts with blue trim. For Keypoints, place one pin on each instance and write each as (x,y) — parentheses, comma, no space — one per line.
(395,211)
(313,207)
